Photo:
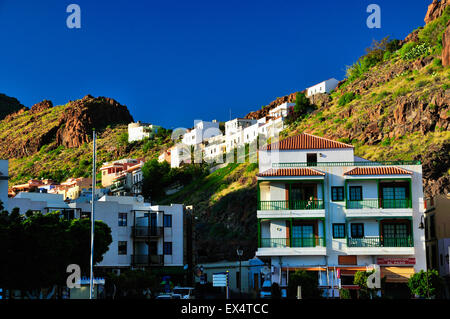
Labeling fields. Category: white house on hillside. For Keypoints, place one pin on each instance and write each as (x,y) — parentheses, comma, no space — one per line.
(201,131)
(138,131)
(322,87)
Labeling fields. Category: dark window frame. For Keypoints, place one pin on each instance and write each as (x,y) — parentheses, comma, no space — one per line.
(360,192)
(343,230)
(355,232)
(337,198)
(166,249)
(167,220)
(123,222)
(123,251)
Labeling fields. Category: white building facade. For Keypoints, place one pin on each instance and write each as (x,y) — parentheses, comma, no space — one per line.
(138,131)
(322,87)
(321,209)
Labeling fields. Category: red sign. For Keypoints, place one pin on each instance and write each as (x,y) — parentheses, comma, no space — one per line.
(396,261)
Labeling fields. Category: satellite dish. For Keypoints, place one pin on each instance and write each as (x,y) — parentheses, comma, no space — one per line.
(140,199)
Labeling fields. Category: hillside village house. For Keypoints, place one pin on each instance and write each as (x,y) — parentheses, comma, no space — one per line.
(72,187)
(323,87)
(144,236)
(34,185)
(129,181)
(111,170)
(324,210)
(138,131)
(201,131)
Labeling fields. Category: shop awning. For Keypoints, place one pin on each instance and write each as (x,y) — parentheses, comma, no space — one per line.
(397,274)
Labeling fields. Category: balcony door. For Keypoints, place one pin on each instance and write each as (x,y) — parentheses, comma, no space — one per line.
(303,235)
(394,195)
(396,235)
(153,224)
(302,194)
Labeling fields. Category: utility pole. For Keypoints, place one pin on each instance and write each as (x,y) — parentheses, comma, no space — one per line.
(91,278)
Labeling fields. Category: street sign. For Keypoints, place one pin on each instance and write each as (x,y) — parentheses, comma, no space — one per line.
(220,280)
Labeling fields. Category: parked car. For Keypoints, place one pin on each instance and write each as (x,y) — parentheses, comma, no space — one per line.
(266,290)
(183,292)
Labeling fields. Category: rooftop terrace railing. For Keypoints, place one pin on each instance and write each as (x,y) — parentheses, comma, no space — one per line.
(290,204)
(333,164)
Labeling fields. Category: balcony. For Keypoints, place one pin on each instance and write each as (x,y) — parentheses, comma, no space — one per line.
(379,208)
(338,164)
(292,247)
(379,203)
(145,231)
(290,205)
(147,260)
(379,245)
(291,208)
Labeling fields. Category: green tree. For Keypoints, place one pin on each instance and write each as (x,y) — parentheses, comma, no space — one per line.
(37,248)
(133,283)
(361,280)
(156,178)
(308,281)
(425,284)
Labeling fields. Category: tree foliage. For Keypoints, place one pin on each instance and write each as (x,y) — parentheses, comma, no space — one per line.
(425,284)
(308,281)
(37,248)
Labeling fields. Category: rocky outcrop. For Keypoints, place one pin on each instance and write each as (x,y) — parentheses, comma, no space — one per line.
(8,105)
(41,106)
(82,116)
(435,10)
(446,46)
(290,98)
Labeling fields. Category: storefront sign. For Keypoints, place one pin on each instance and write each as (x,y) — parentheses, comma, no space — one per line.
(396,261)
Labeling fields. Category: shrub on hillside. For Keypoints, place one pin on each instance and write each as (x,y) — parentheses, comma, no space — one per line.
(346,98)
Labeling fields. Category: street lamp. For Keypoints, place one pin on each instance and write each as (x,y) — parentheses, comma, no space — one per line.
(240,252)
(422,224)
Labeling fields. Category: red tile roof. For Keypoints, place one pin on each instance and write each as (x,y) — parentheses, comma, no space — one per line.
(291,172)
(305,141)
(385,170)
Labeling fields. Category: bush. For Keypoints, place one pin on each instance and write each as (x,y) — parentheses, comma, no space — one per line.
(425,284)
(346,98)
(307,280)
(412,51)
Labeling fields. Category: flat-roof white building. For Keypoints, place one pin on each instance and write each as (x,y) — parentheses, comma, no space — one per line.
(323,87)
(320,209)
(201,131)
(138,131)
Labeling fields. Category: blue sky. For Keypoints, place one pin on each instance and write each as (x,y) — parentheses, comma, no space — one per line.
(172,62)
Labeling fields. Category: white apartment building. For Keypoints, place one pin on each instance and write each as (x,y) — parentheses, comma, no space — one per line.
(111,170)
(4,182)
(138,131)
(143,235)
(322,209)
(234,132)
(129,181)
(201,131)
(322,87)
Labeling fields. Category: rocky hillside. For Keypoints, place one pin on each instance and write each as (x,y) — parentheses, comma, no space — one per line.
(49,141)
(8,105)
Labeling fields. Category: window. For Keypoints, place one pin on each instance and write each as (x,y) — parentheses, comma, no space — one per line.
(167,248)
(355,193)
(311,159)
(357,230)
(122,248)
(122,219)
(337,194)
(167,220)
(338,230)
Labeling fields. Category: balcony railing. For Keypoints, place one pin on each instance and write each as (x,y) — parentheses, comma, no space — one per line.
(295,242)
(290,204)
(155,260)
(380,242)
(331,164)
(379,203)
(145,231)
